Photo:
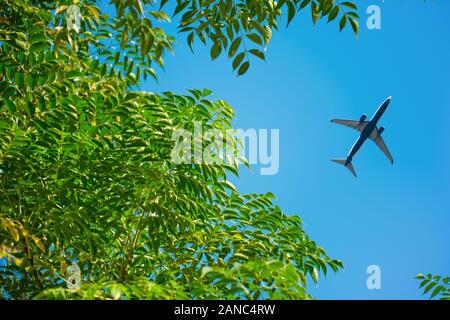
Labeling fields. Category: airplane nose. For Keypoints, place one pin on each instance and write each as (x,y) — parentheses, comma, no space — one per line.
(389,99)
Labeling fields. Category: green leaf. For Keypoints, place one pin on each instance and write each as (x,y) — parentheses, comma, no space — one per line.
(60,9)
(74,74)
(257,53)
(38,37)
(238,59)
(304,4)
(315,12)
(267,34)
(30,108)
(39,243)
(255,38)
(12,229)
(216,49)
(291,11)
(115,292)
(349,5)
(437,290)
(353,14)
(315,275)
(355,26)
(243,68)
(10,105)
(229,185)
(343,22)
(39,47)
(429,287)
(234,46)
(333,13)
(180,7)
(205,271)
(424,282)
(190,40)
(19,80)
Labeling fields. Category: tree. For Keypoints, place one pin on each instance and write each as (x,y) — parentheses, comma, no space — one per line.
(436,286)
(86,175)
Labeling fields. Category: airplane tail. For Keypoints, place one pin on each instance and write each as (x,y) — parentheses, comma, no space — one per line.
(348,166)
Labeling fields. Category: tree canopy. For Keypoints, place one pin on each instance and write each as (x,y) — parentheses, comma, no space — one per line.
(86,175)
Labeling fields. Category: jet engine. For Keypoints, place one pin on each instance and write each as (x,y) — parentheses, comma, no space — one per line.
(380,130)
(363,118)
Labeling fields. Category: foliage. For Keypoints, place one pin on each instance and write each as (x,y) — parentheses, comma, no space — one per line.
(437,286)
(85,170)
(236,26)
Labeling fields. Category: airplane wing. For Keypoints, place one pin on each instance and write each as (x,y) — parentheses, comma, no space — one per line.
(376,137)
(354,124)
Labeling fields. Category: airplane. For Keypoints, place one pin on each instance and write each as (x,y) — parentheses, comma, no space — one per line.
(369,130)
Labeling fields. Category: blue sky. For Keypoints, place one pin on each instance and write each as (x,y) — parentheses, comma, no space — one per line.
(396,217)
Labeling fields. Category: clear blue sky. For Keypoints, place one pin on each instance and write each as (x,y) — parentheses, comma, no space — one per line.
(397,217)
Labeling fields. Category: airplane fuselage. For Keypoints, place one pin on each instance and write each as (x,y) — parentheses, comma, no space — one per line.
(367,131)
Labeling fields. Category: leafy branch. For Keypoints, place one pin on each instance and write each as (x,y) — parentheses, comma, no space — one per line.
(436,286)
